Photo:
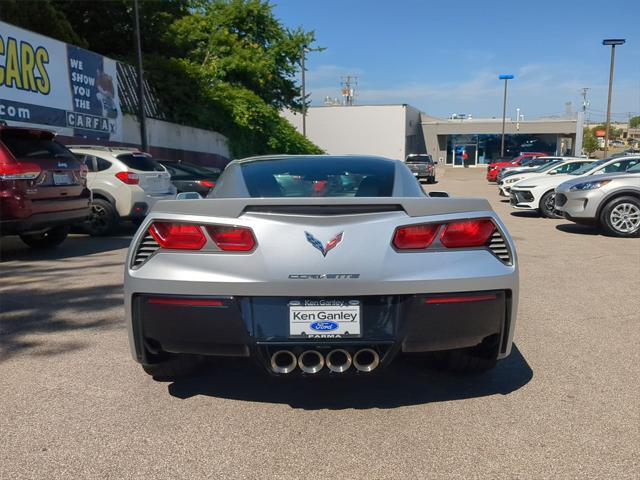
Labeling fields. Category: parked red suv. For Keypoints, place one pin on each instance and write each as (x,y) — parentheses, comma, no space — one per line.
(494,168)
(43,187)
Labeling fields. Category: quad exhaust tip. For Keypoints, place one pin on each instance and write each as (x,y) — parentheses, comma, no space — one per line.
(283,361)
(339,360)
(311,361)
(366,360)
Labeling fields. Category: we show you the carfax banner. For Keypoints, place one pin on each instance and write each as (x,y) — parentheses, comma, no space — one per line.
(49,84)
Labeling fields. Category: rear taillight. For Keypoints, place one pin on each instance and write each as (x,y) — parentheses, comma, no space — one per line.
(19,171)
(83,170)
(460,234)
(469,233)
(178,236)
(206,183)
(415,236)
(232,239)
(128,178)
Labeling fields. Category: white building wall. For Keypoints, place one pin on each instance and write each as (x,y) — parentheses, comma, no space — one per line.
(360,129)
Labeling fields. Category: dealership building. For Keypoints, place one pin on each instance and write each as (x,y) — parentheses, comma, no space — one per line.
(394,131)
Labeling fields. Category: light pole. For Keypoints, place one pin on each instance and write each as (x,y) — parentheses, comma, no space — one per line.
(304,94)
(141,115)
(506,78)
(613,42)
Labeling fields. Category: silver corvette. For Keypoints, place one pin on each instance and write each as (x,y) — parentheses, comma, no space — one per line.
(320,265)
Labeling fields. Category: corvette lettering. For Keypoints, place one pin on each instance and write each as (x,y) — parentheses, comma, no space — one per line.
(323,276)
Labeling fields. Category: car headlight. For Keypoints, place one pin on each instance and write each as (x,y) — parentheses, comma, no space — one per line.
(526,186)
(513,180)
(589,185)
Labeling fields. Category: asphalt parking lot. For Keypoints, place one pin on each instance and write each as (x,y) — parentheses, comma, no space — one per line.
(565,404)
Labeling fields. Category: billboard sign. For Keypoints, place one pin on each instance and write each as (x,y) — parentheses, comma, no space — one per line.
(50,84)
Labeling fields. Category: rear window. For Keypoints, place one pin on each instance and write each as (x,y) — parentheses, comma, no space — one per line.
(319,177)
(419,159)
(141,162)
(23,144)
(182,170)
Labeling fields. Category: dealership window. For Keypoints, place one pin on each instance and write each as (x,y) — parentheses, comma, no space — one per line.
(485,148)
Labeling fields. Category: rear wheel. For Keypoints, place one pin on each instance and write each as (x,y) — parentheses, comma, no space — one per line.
(621,217)
(548,205)
(103,218)
(431,179)
(48,239)
(476,359)
(173,366)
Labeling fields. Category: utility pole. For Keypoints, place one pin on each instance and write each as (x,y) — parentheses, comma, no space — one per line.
(304,94)
(349,83)
(585,102)
(506,78)
(610,42)
(141,116)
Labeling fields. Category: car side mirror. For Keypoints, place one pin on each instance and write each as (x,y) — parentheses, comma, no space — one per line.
(438,194)
(189,196)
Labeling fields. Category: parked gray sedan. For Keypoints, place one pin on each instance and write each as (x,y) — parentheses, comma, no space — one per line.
(611,201)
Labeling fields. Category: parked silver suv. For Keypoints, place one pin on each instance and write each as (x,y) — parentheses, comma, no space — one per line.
(611,201)
(125,184)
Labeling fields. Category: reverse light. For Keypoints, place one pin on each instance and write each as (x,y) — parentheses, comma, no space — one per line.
(19,171)
(468,233)
(232,239)
(415,236)
(589,185)
(178,236)
(128,178)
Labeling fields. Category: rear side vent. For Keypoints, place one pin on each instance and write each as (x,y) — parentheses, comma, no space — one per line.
(146,248)
(499,248)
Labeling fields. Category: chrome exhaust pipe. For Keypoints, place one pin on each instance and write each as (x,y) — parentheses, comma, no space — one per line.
(366,360)
(311,361)
(283,361)
(338,360)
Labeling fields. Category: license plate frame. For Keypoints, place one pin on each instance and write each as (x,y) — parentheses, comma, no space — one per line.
(61,179)
(319,319)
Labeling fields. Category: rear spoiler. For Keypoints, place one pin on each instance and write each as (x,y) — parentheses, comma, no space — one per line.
(235,207)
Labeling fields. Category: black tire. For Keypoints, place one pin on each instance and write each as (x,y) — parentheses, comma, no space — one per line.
(620,217)
(548,205)
(476,359)
(48,239)
(431,179)
(103,218)
(137,221)
(173,367)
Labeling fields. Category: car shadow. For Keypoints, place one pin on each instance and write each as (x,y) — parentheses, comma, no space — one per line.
(526,214)
(578,229)
(76,245)
(407,381)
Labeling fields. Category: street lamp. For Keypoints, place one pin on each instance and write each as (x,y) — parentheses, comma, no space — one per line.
(506,78)
(613,42)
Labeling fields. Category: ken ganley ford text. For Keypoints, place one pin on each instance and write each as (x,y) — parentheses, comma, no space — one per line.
(324,315)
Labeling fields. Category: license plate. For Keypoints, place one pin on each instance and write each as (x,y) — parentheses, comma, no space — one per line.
(324,319)
(61,179)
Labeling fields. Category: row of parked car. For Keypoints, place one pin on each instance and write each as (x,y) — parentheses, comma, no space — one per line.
(604,193)
(47,188)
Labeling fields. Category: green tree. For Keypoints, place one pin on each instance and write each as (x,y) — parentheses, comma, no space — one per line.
(589,142)
(41,16)
(634,122)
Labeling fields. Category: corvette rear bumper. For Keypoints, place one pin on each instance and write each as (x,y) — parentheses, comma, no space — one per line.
(250,326)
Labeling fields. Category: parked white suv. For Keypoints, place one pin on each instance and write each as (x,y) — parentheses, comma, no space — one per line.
(125,184)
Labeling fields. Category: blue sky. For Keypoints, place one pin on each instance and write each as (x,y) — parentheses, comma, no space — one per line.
(444,56)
